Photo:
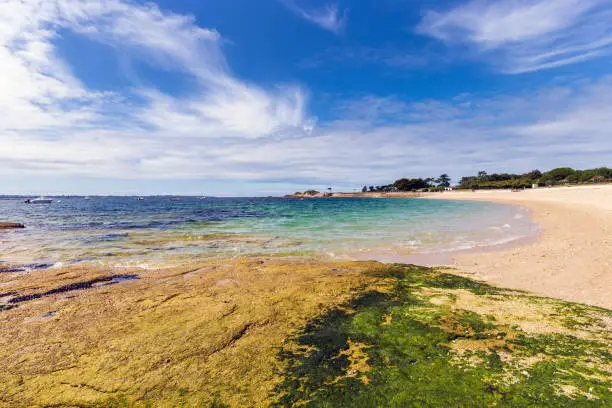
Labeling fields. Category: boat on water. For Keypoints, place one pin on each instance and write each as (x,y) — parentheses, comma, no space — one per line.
(39,200)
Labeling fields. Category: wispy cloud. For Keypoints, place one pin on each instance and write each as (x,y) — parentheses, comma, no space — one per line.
(53,123)
(329,17)
(225,128)
(527,35)
(378,138)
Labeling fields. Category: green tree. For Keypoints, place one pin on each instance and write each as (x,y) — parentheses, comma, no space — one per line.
(604,172)
(559,174)
(534,175)
(468,181)
(572,178)
(405,184)
(443,180)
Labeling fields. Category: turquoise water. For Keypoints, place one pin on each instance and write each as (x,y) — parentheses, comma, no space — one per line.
(123,231)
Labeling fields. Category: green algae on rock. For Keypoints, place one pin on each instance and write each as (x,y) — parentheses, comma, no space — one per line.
(443,357)
(295,332)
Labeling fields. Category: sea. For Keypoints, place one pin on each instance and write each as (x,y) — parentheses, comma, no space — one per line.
(154,232)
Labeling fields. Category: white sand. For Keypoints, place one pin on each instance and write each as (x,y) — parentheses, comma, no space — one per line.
(572,259)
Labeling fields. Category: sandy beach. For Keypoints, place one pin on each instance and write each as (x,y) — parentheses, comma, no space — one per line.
(572,258)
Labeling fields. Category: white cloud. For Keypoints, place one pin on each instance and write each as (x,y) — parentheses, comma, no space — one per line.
(233,111)
(546,128)
(40,92)
(330,16)
(54,125)
(526,35)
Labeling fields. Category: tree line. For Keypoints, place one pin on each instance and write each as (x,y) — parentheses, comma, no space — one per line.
(558,176)
(413,184)
(483,180)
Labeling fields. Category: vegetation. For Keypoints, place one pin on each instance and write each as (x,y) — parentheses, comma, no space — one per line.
(279,332)
(419,344)
(412,184)
(483,180)
(562,175)
(307,193)
(444,180)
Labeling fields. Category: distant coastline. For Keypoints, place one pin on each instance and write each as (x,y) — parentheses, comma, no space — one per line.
(456,192)
(409,187)
(376,194)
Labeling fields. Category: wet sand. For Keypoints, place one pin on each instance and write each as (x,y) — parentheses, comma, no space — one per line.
(572,259)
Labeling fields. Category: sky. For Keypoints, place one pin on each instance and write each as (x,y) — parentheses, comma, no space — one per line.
(267,97)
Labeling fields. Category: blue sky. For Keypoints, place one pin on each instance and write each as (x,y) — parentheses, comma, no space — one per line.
(242,97)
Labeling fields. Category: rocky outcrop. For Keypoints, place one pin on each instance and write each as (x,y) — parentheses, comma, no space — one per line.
(10,225)
(309,194)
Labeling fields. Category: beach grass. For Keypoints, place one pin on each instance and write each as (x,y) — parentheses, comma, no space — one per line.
(294,332)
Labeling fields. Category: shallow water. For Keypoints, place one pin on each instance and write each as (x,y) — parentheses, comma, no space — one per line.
(123,231)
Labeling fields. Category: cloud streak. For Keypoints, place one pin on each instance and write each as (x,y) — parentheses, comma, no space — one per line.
(527,35)
(53,122)
(329,17)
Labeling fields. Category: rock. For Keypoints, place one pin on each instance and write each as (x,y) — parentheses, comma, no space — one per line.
(226,282)
(10,225)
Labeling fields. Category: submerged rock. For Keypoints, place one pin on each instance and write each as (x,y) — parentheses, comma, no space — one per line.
(11,225)
(104,280)
(24,268)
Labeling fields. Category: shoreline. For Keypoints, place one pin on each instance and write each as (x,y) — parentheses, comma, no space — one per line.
(569,258)
(572,257)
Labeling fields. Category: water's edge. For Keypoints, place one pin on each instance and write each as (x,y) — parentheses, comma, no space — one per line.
(124,232)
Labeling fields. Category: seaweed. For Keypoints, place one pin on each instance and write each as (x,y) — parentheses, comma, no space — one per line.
(409,362)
